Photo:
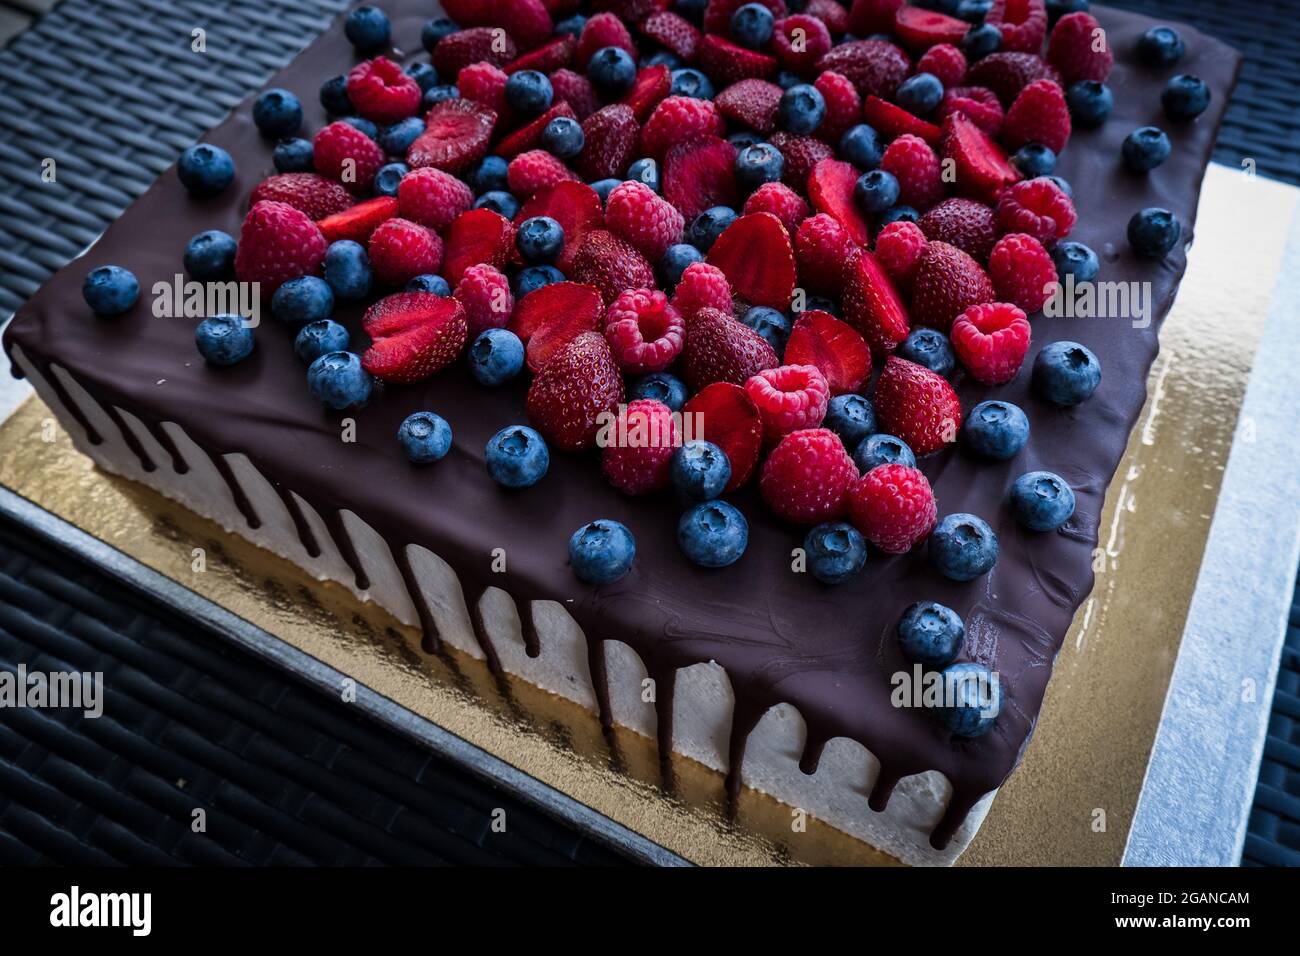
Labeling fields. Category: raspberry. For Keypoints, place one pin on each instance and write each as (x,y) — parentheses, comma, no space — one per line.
(432,198)
(1022,271)
(530,171)
(576,90)
(485,293)
(944,61)
(1039,115)
(484,83)
(843,106)
(277,243)
(679,118)
(821,246)
(382,92)
(991,341)
(702,286)
(344,153)
(602,30)
(789,398)
(916,167)
(807,476)
(799,41)
(315,195)
(1023,24)
(893,507)
(980,105)
(401,249)
(1071,49)
(637,460)
(969,225)
(641,217)
(781,201)
(801,154)
(1038,207)
(644,332)
(899,247)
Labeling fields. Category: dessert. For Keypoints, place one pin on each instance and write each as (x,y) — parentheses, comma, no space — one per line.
(781,680)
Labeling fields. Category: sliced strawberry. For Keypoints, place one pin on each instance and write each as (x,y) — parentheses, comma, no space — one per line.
(834,347)
(755,255)
(359,221)
(982,168)
(727,62)
(555,55)
(892,121)
(724,414)
(830,187)
(872,304)
(921,29)
(456,135)
(673,32)
(529,136)
(652,84)
(575,206)
(569,397)
(479,235)
(413,335)
(751,102)
(547,319)
(700,173)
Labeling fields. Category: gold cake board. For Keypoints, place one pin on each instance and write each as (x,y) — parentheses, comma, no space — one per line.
(1071,800)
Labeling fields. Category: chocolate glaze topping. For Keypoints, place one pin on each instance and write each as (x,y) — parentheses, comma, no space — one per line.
(780,636)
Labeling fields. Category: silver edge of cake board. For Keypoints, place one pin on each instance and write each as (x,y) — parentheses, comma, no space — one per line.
(1196,798)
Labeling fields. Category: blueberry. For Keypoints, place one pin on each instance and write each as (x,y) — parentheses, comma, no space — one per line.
(882,449)
(517,457)
(1144,149)
(490,175)
(1160,47)
(540,239)
(1059,8)
(424,74)
(802,109)
(713,534)
(899,214)
(1153,233)
(293,156)
(570,26)
(1090,103)
(1076,259)
(876,191)
(277,113)
(974,11)
(1185,97)
(205,170)
(980,41)
(224,339)
(920,94)
(601,552)
(389,177)
(425,437)
(700,470)
(752,25)
(742,138)
(1065,373)
(500,202)
(347,269)
(604,187)
(496,357)
(210,256)
(836,552)
(692,83)
(708,225)
(645,171)
(531,278)
(529,92)
(962,547)
(110,290)
(334,96)
(931,634)
(995,429)
(930,348)
(1034,160)
(758,164)
(369,129)
(787,78)
(1041,501)
(660,387)
(436,94)
(973,699)
(611,71)
(675,260)
(852,417)
(435,30)
(771,325)
(664,58)
(428,282)
(395,140)
(367,29)
(1062,184)
(302,300)
(337,380)
(316,338)
(563,137)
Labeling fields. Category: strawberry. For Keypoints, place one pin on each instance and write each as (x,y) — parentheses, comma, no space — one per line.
(875,67)
(982,168)
(1023,24)
(575,206)
(1039,115)
(642,464)
(277,243)
(400,250)
(830,187)
(807,476)
(576,90)
(572,393)
(980,105)
(945,62)
(1022,271)
(921,29)
(894,508)
(310,193)
(789,397)
(918,171)
(344,153)
(468,13)
(556,55)
(1038,207)
(700,173)
(548,318)
(534,170)
(640,216)
(872,16)
(382,92)
(644,331)
(456,135)
(833,347)
(991,341)
(781,201)
(1006,74)
(800,41)
(611,265)
(432,198)
(651,85)
(413,335)
(801,154)
(843,106)
(964,223)
(727,62)
(948,282)
(899,247)
(677,119)
(751,103)
(892,121)
(529,21)
(728,417)
(718,13)
(1080,49)
(359,221)
(485,294)
(602,30)
(458,50)
(916,405)
(529,136)
(821,247)
(720,349)
(485,84)
(673,32)
(755,255)
(479,235)
(702,286)
(609,142)
(872,304)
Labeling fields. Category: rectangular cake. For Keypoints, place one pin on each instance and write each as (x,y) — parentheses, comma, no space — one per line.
(758,673)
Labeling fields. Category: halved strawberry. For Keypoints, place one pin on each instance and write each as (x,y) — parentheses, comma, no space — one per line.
(479,235)
(456,135)
(921,29)
(834,347)
(700,173)
(755,255)
(413,335)
(359,221)
(555,55)
(651,85)
(548,318)
(720,349)
(982,168)
(724,414)
(575,206)
(892,121)
(751,102)
(529,135)
(830,188)
(577,387)
(673,32)
(872,304)
(916,405)
(727,62)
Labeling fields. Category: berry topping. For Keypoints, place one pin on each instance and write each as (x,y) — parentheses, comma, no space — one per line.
(636,458)
(751,103)
(806,477)
(963,547)
(413,335)
(821,247)
(1154,232)
(911,161)
(536,169)
(728,418)
(432,197)
(969,225)
(575,206)
(917,405)
(875,67)
(1080,49)
(1066,373)
(945,62)
(893,121)
(611,265)
(830,188)
(699,174)
(1006,74)
(609,142)
(1023,24)
(601,552)
(789,398)
(899,248)
(424,437)
(458,50)
(996,430)
(931,634)
(713,534)
(637,214)
(779,200)
(342,152)
(702,286)
(893,507)
(727,62)
(517,457)
(982,168)
(1041,501)
(980,106)
(477,236)
(1039,115)
(676,119)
